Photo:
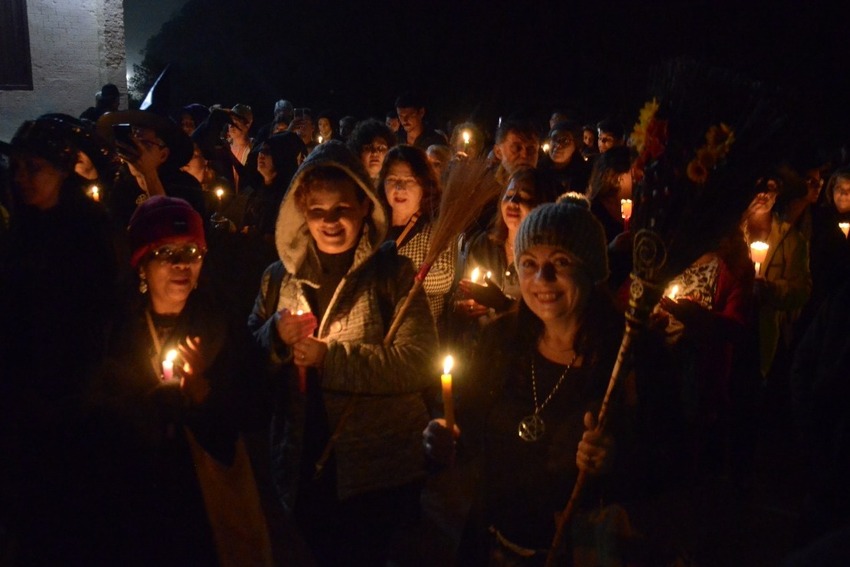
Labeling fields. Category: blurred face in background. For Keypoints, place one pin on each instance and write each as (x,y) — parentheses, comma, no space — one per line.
(841,195)
(517,150)
(517,201)
(372,156)
(411,119)
(562,146)
(38,181)
(325,128)
(265,163)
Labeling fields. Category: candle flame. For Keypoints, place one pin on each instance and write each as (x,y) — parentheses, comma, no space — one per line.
(171,355)
(845,228)
(489,275)
(674,292)
(219,192)
(300,312)
(475,273)
(546,147)
(321,139)
(466,136)
(448,362)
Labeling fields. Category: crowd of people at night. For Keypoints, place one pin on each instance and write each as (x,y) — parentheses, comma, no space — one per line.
(222,341)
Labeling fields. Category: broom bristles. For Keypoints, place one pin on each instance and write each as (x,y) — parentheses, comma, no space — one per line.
(469,188)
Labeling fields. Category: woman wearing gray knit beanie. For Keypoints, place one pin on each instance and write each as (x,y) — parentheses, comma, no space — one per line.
(533,388)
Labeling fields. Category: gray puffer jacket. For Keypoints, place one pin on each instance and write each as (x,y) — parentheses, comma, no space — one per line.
(380,445)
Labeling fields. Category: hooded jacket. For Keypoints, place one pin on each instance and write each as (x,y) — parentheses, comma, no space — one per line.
(380,445)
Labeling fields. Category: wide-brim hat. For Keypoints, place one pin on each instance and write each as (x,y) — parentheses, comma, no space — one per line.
(179,144)
(153,114)
(47,138)
(85,136)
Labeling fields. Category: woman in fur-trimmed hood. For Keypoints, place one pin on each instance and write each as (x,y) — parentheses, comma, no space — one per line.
(321,315)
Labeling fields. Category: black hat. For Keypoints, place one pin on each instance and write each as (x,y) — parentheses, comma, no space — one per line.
(85,136)
(46,138)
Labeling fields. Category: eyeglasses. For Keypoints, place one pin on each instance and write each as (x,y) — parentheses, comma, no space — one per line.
(375,149)
(185,254)
(151,143)
(406,183)
(563,141)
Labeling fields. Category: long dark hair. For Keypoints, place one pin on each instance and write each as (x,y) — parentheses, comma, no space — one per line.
(417,159)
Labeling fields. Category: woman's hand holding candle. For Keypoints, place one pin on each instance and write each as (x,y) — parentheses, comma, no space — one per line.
(193,383)
(486,295)
(293,327)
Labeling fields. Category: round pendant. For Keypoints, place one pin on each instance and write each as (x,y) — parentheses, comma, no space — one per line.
(531,428)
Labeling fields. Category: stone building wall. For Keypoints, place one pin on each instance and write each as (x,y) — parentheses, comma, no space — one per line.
(76,46)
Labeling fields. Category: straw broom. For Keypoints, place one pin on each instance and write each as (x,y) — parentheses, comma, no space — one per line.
(469,188)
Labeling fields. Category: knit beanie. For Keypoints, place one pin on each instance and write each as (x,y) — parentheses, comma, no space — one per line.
(163,220)
(570,225)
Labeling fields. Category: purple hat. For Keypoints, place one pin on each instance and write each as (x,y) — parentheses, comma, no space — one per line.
(163,220)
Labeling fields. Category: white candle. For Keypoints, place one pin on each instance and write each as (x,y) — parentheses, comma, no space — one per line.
(845,228)
(448,401)
(168,365)
(758,252)
(475,274)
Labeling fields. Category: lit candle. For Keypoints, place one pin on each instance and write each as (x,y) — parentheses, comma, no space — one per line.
(758,252)
(626,212)
(219,192)
(845,228)
(321,139)
(673,292)
(466,138)
(168,365)
(448,401)
(489,275)
(475,274)
(545,147)
(95,193)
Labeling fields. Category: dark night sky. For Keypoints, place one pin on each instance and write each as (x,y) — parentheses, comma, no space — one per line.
(142,19)
(486,59)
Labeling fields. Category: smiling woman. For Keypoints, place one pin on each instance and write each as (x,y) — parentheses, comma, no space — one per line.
(321,317)
(534,379)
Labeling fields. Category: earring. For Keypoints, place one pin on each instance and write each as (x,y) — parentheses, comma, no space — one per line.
(143,285)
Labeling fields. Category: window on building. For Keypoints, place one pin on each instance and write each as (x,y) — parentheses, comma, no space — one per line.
(15,63)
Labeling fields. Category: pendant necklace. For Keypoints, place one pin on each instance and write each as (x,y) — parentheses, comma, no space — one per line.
(532,428)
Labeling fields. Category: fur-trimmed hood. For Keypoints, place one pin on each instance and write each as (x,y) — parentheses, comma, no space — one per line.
(292,237)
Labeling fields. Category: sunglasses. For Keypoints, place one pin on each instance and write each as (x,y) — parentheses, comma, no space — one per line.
(185,254)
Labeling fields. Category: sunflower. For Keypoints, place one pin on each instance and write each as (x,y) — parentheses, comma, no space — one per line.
(697,172)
